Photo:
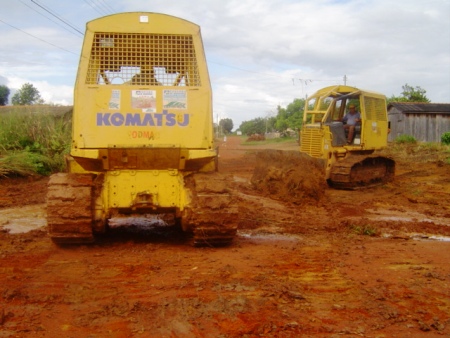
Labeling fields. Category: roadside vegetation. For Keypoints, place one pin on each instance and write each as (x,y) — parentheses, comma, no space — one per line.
(34,141)
(248,141)
(407,148)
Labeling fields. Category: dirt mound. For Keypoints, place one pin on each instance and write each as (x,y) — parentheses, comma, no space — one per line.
(289,176)
(256,137)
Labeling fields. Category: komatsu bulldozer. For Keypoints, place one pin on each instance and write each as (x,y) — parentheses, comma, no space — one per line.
(350,163)
(142,137)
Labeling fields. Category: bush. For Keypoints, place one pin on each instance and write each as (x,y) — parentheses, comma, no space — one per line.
(366,230)
(445,138)
(406,139)
(33,143)
(256,137)
(24,164)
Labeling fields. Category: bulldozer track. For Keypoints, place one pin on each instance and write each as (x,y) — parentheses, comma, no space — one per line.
(69,208)
(358,171)
(213,211)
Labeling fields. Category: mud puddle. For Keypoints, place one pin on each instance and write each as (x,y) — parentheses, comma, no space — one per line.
(23,219)
(141,222)
(405,216)
(421,237)
(271,237)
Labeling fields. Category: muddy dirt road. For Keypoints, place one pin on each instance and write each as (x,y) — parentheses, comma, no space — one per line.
(367,263)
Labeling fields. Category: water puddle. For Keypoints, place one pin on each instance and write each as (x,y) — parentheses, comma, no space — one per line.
(240,179)
(419,237)
(269,237)
(142,221)
(412,216)
(23,219)
(440,238)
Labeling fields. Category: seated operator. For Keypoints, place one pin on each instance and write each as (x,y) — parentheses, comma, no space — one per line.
(350,120)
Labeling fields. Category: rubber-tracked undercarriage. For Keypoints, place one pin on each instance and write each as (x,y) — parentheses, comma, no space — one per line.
(358,171)
(210,215)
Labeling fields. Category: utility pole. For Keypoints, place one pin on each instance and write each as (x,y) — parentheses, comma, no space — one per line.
(345,80)
(217,125)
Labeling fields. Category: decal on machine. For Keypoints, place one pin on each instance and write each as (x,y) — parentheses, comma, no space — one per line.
(114,101)
(143,134)
(174,99)
(164,119)
(144,99)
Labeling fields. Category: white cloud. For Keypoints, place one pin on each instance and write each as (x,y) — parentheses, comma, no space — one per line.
(55,94)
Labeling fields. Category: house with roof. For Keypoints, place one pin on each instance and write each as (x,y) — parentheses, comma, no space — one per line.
(426,122)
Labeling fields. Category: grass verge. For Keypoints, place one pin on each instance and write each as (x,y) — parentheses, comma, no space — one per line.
(33,142)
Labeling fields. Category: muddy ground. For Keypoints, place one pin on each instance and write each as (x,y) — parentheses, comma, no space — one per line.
(324,263)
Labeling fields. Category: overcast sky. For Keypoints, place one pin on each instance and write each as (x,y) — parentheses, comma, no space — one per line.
(261,53)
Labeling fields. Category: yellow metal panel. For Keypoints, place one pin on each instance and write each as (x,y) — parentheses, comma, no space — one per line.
(116,103)
(311,141)
(374,121)
(145,189)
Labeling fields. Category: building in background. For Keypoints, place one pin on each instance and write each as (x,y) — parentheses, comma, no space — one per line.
(426,122)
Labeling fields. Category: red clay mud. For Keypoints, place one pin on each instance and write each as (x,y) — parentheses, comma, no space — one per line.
(307,262)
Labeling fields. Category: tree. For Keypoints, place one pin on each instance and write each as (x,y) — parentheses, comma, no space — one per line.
(410,94)
(291,116)
(226,125)
(27,95)
(4,93)
(255,126)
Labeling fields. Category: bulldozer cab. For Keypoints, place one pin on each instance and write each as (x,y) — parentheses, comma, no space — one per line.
(348,160)
(330,107)
(339,107)
(323,128)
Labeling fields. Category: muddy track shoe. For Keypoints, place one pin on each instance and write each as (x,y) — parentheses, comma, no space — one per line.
(358,171)
(214,212)
(69,208)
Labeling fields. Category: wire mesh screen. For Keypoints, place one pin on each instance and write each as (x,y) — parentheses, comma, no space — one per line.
(375,109)
(143,60)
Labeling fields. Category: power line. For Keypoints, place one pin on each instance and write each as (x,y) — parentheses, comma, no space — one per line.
(102,3)
(48,18)
(56,16)
(109,6)
(49,43)
(94,8)
(98,8)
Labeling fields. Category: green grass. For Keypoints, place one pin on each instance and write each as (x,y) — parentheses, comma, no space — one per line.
(269,141)
(365,230)
(405,139)
(418,152)
(33,141)
(445,138)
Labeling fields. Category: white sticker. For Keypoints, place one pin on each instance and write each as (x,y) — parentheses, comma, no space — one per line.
(174,99)
(114,101)
(144,99)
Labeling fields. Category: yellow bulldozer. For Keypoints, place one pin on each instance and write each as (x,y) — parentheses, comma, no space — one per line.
(142,137)
(350,160)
